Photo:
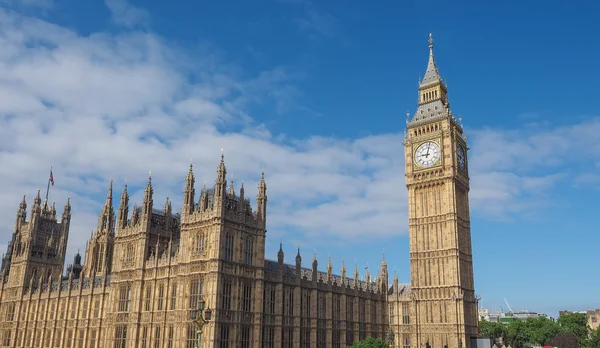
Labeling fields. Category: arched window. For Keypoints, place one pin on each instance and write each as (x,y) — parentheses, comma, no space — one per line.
(129,254)
(200,242)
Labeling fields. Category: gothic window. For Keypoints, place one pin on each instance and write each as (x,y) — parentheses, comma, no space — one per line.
(170,337)
(245,336)
(129,255)
(226,300)
(144,337)
(247,298)
(229,247)
(10,312)
(224,336)
(6,338)
(405,314)
(350,309)
(69,340)
(124,298)
(148,305)
(173,296)
(191,336)
(161,297)
(80,339)
(120,336)
(84,309)
(96,309)
(73,309)
(392,317)
(268,337)
(288,301)
(156,337)
(200,243)
(93,339)
(269,295)
(196,291)
(58,338)
(248,251)
(406,341)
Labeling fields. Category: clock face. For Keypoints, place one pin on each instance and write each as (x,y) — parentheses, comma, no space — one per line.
(460,157)
(427,154)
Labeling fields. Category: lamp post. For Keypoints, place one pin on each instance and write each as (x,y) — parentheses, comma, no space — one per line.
(200,316)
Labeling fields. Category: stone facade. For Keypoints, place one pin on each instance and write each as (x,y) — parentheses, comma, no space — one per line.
(444,306)
(145,268)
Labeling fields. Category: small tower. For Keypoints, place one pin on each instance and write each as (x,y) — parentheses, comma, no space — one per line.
(189,192)
(329,270)
(261,198)
(123,209)
(101,245)
(280,254)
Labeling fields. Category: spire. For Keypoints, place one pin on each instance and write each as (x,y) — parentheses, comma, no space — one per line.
(109,195)
(231,190)
(280,254)
(298,258)
(147,203)
(124,207)
(433,100)
(432,74)
(221,170)
(343,269)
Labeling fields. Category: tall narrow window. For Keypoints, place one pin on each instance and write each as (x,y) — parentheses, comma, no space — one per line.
(161,297)
(229,247)
(157,337)
(93,338)
(129,254)
(226,303)
(405,314)
(120,336)
(248,251)
(170,337)
(196,290)
(144,337)
(124,298)
(148,304)
(200,242)
(247,297)
(173,296)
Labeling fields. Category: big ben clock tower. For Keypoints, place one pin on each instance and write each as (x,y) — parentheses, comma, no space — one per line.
(444,307)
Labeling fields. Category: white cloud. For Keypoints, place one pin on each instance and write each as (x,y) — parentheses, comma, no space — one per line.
(127,15)
(102,106)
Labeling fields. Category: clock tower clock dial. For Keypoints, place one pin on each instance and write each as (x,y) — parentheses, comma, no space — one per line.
(427,154)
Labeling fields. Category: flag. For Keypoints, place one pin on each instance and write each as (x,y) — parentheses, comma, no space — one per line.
(51,177)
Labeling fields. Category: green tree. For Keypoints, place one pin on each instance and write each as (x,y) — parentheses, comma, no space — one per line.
(541,329)
(595,339)
(517,334)
(370,342)
(492,329)
(575,323)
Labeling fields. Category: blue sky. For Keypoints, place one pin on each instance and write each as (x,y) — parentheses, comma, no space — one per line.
(316,94)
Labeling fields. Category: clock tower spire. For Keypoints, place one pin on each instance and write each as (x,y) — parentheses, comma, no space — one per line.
(444,307)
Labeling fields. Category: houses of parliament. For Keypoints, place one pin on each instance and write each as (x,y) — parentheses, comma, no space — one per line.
(145,268)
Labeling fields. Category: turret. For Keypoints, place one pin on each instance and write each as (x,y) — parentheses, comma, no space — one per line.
(355,276)
(329,269)
(123,209)
(37,205)
(315,264)
(280,254)
(106,220)
(231,189)
(22,211)
(221,181)
(343,271)
(148,202)
(189,192)
(261,198)
(135,215)
(66,215)
(298,259)
(203,199)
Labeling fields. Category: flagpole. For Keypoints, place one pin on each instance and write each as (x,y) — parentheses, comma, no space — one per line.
(48,188)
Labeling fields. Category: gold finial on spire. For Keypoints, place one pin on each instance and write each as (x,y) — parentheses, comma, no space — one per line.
(430,41)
